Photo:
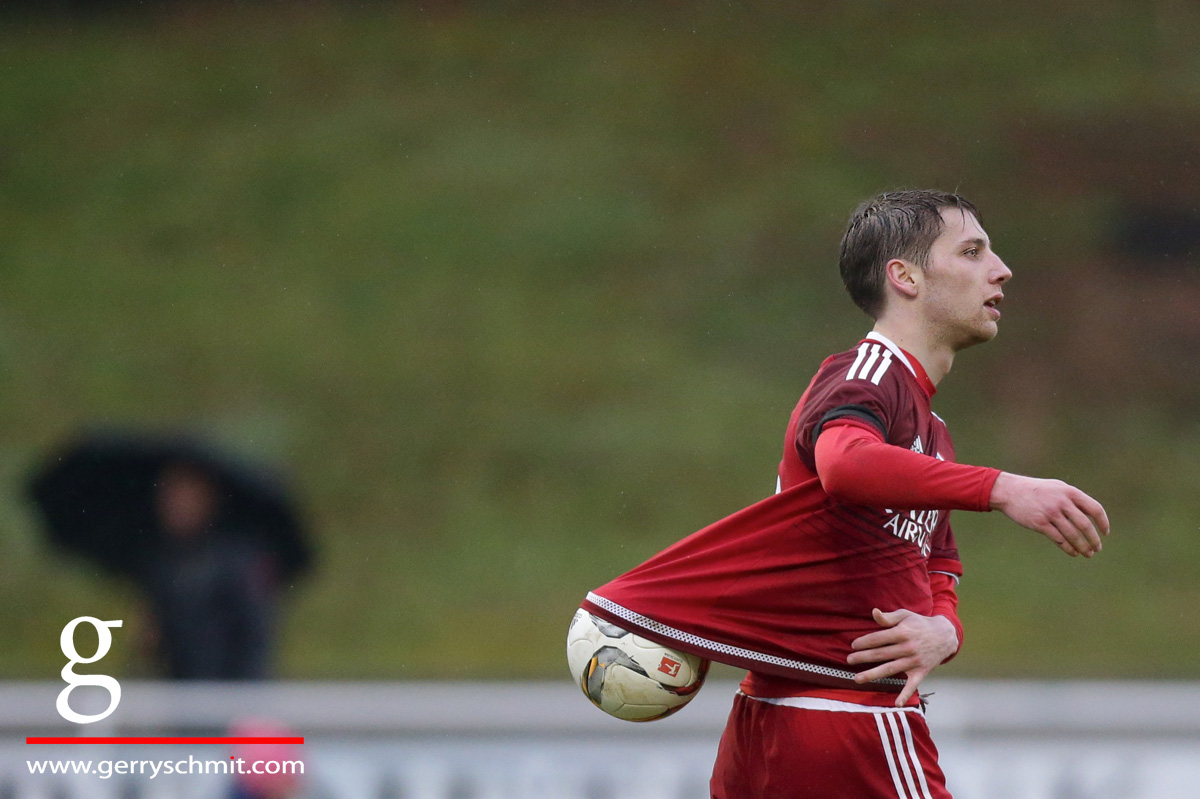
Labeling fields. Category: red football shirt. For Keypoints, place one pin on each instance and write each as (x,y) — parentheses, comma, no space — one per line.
(784,586)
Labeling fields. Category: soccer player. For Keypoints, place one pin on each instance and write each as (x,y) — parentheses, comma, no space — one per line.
(838,594)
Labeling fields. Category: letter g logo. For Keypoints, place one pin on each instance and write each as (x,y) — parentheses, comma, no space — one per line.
(73,680)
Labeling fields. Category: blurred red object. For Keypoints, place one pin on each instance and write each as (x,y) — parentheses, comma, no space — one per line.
(268,770)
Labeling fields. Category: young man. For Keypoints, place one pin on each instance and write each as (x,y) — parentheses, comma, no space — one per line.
(838,593)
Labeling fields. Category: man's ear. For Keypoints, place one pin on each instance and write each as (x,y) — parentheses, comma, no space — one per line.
(903,276)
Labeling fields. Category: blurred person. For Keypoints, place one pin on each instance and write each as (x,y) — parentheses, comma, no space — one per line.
(210,541)
(839,593)
(212,589)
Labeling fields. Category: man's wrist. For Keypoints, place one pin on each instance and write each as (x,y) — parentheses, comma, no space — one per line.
(1001,490)
(954,636)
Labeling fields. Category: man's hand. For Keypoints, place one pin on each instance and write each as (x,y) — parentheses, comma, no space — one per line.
(910,643)
(1064,514)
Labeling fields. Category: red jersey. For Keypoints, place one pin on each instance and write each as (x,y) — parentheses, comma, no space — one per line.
(784,586)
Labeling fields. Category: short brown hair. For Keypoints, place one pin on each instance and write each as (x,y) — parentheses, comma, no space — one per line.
(894,224)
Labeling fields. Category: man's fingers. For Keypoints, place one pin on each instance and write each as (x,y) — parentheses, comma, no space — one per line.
(877,639)
(1051,531)
(911,684)
(892,617)
(1084,525)
(1074,521)
(1072,537)
(910,688)
(1094,510)
(1068,526)
(879,654)
(881,671)
(889,635)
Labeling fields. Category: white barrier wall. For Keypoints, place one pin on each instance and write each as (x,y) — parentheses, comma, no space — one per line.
(999,740)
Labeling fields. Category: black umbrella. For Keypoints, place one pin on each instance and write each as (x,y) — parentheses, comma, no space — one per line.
(97,497)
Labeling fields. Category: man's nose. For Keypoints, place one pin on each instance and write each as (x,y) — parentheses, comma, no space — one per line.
(1002,273)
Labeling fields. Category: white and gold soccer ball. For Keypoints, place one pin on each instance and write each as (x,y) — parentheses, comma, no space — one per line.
(628,676)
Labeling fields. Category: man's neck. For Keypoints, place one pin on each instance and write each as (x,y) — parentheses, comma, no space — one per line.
(935,359)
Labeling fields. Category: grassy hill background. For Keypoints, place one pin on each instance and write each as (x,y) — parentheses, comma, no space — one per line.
(520,295)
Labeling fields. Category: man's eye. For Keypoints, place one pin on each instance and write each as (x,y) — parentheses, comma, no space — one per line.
(973,251)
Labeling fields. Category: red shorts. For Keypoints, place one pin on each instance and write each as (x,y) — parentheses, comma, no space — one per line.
(815,748)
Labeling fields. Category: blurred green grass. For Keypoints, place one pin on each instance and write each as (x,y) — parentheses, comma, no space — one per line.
(522,295)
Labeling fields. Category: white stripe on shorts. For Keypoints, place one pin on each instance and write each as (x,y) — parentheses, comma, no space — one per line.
(817,703)
(908,776)
(912,750)
(905,754)
(891,761)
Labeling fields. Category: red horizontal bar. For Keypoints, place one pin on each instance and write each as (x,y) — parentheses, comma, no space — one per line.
(80,739)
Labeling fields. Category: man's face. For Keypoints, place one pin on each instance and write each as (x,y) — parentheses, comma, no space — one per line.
(962,283)
(186,501)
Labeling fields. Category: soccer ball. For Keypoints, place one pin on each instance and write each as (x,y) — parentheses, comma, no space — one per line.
(628,676)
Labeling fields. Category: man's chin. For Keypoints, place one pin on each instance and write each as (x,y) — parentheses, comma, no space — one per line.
(981,335)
